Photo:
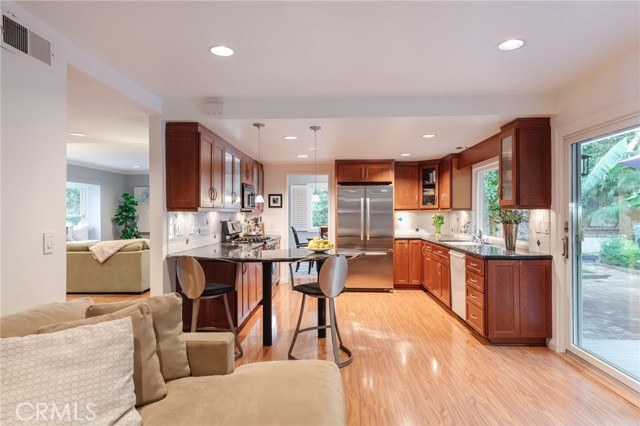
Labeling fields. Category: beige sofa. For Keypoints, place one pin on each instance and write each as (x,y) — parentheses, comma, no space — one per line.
(265,393)
(127,271)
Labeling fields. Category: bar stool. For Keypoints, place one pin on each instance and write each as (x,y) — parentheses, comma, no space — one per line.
(331,282)
(194,286)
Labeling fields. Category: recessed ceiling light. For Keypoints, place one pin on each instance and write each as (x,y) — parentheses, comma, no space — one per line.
(429,135)
(291,138)
(77,134)
(511,44)
(303,156)
(221,51)
(405,155)
(136,167)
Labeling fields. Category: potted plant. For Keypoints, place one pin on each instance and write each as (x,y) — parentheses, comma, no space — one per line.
(438,221)
(126,216)
(510,219)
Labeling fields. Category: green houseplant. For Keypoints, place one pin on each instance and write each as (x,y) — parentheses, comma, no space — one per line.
(438,221)
(126,216)
(510,219)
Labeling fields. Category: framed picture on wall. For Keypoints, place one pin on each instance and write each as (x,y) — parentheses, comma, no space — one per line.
(275,201)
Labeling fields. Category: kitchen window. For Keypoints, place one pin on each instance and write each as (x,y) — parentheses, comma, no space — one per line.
(308,213)
(486,182)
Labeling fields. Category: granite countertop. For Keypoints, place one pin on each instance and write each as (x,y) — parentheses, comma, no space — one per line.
(253,253)
(485,251)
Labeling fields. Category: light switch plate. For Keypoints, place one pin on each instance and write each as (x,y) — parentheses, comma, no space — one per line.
(47,243)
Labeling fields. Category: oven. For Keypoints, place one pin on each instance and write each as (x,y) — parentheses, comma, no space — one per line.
(248,197)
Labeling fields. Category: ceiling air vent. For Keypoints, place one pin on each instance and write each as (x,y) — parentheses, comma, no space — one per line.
(26,41)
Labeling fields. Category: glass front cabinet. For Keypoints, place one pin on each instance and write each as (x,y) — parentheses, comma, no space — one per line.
(429,187)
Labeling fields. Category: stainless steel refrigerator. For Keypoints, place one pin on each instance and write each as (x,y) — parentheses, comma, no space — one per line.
(365,222)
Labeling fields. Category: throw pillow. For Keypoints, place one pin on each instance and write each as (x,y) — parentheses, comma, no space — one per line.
(29,321)
(78,376)
(80,232)
(167,323)
(69,232)
(147,377)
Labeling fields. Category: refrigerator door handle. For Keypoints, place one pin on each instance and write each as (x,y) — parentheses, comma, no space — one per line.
(361,218)
(368,218)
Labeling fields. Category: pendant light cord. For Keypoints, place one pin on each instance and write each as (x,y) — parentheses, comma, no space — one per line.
(315,159)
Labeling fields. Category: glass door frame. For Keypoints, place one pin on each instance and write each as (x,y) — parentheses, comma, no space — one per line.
(571,148)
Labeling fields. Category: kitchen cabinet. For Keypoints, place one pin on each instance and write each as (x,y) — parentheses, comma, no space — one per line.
(518,299)
(189,166)
(426,265)
(407,186)
(358,171)
(474,283)
(428,186)
(407,263)
(202,170)
(401,263)
(440,274)
(242,302)
(247,165)
(232,179)
(525,164)
(415,262)
(455,185)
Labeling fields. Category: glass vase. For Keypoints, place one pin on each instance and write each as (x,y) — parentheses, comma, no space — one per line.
(510,235)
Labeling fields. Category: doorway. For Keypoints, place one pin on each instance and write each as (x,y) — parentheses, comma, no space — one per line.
(308,211)
(605,250)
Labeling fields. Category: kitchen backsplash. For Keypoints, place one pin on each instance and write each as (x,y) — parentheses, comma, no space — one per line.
(188,230)
(410,223)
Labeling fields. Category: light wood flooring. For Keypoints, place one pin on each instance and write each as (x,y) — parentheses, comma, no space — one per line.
(415,364)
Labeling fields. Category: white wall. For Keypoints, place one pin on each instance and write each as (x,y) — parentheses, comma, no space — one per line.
(275,182)
(608,96)
(33,163)
(34,132)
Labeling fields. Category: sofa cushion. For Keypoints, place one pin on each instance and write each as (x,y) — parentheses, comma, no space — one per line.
(29,321)
(80,376)
(265,393)
(167,323)
(79,245)
(147,377)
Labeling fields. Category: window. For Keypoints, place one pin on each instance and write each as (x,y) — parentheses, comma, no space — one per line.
(487,182)
(308,214)
(77,203)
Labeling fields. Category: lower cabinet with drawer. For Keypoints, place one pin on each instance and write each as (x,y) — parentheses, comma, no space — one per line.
(509,301)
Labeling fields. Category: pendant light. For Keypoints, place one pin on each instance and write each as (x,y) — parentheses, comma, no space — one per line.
(315,197)
(259,198)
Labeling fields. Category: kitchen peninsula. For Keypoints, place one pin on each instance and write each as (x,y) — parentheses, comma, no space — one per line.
(244,254)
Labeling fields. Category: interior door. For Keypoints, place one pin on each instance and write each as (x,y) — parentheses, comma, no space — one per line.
(605,253)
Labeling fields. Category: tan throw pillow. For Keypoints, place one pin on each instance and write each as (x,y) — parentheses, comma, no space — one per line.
(147,378)
(78,376)
(29,321)
(167,323)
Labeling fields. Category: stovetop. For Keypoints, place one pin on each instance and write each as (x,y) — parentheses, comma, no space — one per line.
(251,239)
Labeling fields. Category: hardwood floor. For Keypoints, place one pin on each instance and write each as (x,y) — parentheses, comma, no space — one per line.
(414,364)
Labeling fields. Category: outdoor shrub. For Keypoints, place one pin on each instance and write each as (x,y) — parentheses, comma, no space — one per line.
(619,251)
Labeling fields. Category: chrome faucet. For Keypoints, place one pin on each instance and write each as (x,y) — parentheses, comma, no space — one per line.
(477,236)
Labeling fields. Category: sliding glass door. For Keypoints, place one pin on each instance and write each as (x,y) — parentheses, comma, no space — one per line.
(606,252)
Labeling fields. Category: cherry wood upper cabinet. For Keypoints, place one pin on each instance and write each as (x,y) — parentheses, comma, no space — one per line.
(247,170)
(190,167)
(455,185)
(429,186)
(525,164)
(364,171)
(407,186)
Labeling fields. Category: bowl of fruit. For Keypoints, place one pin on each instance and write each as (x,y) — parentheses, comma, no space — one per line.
(319,245)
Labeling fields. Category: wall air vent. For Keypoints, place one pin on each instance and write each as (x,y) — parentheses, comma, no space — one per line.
(24,40)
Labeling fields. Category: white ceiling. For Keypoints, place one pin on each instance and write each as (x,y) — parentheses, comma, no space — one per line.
(420,63)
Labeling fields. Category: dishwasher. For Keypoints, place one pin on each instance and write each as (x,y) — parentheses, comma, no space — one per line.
(458,296)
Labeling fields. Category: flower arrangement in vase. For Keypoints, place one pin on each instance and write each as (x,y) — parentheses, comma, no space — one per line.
(438,221)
